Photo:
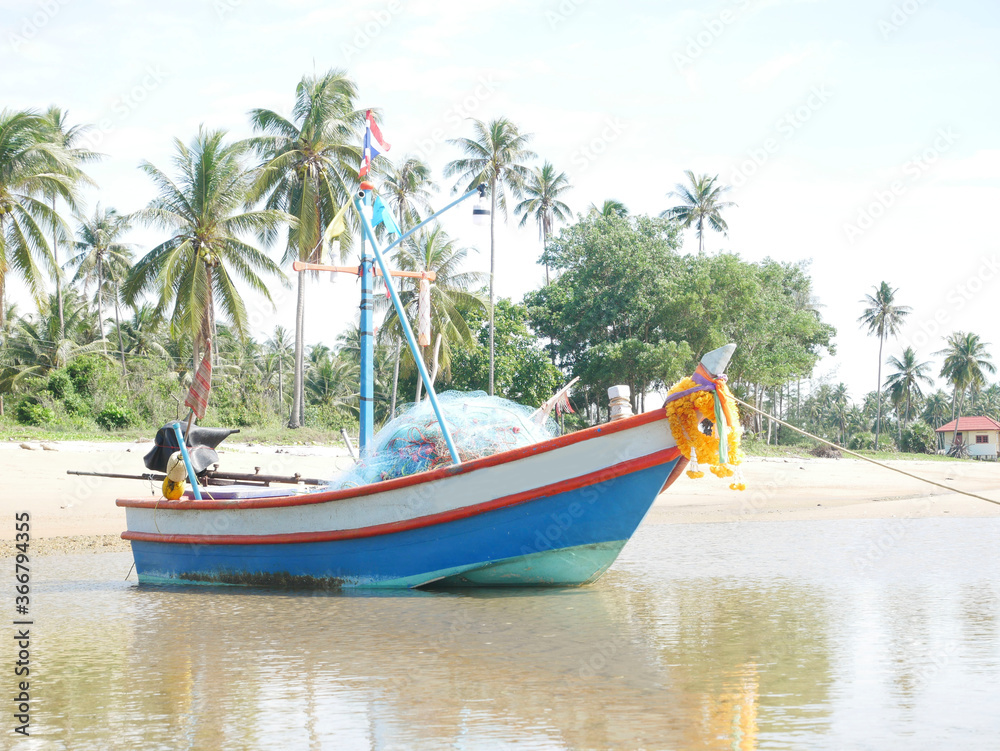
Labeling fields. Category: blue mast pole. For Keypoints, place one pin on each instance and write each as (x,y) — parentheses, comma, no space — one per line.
(407,331)
(367,417)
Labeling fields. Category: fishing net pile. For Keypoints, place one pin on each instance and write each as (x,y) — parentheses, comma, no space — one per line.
(480,425)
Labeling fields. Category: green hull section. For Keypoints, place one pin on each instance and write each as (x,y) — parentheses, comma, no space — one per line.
(551,568)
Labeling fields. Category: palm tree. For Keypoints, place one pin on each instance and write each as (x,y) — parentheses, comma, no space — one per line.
(542,202)
(309,170)
(35,348)
(611,207)
(494,156)
(987,401)
(332,379)
(965,361)
(700,204)
(197,267)
(31,166)
(281,348)
(935,410)
(408,189)
(839,409)
(143,333)
(909,373)
(68,137)
(882,317)
(451,293)
(103,260)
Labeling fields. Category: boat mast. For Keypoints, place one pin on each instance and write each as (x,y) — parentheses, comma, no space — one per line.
(367,413)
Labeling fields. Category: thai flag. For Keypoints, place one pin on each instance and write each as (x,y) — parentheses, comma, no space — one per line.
(374,145)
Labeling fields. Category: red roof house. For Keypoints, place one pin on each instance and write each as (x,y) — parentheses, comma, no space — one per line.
(981,435)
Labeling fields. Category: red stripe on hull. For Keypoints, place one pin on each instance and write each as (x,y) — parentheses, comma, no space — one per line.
(403,482)
(603,475)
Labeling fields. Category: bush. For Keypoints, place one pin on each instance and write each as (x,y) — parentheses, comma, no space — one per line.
(330,417)
(116,417)
(82,372)
(919,438)
(238,404)
(59,384)
(75,404)
(31,412)
(865,441)
(791,438)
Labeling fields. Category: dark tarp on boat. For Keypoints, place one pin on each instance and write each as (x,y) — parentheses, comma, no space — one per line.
(201,443)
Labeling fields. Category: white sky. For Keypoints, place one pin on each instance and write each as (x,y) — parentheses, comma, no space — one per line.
(861,135)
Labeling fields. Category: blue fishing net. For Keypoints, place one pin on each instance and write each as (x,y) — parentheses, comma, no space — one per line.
(480,425)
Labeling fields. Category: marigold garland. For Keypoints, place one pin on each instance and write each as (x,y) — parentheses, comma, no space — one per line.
(685,415)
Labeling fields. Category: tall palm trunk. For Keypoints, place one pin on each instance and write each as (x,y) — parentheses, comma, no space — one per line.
(3,312)
(295,419)
(395,380)
(100,302)
(956,415)
(878,393)
(281,377)
(3,277)
(545,246)
(55,257)
(121,346)
(399,342)
(493,216)
(420,381)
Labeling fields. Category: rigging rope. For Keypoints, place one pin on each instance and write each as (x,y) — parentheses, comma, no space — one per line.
(866,458)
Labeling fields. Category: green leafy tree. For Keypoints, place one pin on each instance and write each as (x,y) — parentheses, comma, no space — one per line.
(309,170)
(196,269)
(700,204)
(522,371)
(541,203)
(661,297)
(883,318)
(494,156)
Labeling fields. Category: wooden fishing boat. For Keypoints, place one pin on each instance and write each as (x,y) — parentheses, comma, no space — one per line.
(553,513)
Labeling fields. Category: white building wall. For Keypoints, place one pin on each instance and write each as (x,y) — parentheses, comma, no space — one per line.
(976,449)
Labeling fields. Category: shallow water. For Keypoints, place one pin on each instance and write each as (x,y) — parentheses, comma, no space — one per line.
(819,635)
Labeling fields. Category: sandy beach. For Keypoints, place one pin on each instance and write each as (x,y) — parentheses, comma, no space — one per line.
(76,514)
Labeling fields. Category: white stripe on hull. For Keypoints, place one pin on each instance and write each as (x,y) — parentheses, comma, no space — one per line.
(446,494)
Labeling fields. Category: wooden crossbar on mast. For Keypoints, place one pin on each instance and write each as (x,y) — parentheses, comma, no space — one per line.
(303,266)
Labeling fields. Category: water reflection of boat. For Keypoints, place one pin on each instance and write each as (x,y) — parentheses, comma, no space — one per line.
(556,512)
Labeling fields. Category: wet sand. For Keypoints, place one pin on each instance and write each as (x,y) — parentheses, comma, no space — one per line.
(71,514)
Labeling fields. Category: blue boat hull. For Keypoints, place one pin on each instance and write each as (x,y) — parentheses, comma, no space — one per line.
(567,538)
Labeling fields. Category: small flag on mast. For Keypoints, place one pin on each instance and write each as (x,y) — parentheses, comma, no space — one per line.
(382,215)
(374,144)
(201,385)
